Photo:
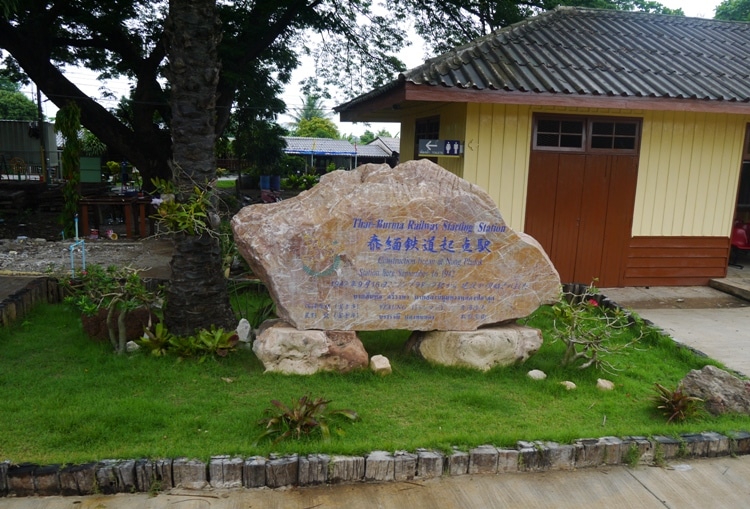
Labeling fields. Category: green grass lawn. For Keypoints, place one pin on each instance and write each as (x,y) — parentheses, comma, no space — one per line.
(225,184)
(67,399)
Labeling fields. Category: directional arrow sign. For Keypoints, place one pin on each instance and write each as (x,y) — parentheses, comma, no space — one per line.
(440,147)
(430,147)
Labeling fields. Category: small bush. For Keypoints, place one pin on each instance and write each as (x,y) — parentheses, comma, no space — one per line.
(116,289)
(591,333)
(305,417)
(676,404)
(202,345)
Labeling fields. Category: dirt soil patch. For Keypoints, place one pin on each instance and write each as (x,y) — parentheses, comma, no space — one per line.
(40,256)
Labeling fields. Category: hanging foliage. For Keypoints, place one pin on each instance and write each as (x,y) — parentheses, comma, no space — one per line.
(68,124)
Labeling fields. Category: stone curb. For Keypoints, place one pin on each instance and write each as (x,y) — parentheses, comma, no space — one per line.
(231,472)
(38,290)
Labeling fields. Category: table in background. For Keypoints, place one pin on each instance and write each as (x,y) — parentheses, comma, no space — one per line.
(129,205)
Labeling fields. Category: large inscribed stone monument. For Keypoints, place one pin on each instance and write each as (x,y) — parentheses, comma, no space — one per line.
(412,247)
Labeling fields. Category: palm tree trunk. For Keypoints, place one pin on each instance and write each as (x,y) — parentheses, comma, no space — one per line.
(197,296)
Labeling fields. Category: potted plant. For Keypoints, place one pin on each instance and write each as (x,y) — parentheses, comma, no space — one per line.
(114,302)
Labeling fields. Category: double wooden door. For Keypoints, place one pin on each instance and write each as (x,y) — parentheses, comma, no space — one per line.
(580,208)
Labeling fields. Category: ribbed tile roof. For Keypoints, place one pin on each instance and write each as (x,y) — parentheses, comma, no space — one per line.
(371,151)
(595,52)
(318,146)
(603,52)
(389,144)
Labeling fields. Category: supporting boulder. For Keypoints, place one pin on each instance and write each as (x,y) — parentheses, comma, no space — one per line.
(481,349)
(286,349)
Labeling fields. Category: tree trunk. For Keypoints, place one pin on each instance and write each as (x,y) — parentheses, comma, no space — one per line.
(197,296)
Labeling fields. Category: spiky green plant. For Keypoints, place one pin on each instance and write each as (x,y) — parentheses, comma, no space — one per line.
(156,341)
(304,417)
(676,404)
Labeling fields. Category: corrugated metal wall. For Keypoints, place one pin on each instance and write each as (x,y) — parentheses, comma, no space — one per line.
(496,155)
(16,142)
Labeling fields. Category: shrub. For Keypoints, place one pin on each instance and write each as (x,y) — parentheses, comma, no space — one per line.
(117,289)
(202,345)
(305,417)
(589,331)
(676,404)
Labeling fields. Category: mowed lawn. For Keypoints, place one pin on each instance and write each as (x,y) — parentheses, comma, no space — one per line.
(68,399)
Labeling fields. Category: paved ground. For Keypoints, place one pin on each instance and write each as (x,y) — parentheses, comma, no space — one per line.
(37,257)
(715,483)
(706,319)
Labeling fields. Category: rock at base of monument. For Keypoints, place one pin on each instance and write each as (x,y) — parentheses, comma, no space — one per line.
(721,391)
(380,365)
(483,349)
(286,349)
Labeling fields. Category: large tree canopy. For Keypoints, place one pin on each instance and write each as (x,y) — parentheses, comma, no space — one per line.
(446,24)
(260,45)
(16,106)
(733,10)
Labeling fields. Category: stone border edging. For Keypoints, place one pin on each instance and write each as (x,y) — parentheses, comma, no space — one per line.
(38,290)
(223,472)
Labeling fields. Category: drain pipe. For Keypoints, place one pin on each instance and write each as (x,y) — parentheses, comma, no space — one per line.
(78,242)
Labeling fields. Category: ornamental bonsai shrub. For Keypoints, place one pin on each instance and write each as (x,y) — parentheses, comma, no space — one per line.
(116,290)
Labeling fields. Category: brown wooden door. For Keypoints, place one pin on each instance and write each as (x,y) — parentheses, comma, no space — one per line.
(580,208)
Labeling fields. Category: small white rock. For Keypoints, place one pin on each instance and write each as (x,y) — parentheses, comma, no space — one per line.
(568,385)
(380,365)
(131,346)
(243,330)
(604,385)
(536,374)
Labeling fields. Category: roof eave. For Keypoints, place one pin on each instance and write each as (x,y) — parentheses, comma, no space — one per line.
(444,94)
(386,100)
(388,106)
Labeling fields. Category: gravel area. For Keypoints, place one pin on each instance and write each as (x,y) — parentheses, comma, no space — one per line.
(40,256)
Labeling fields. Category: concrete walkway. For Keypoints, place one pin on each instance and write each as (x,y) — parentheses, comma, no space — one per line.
(714,322)
(716,483)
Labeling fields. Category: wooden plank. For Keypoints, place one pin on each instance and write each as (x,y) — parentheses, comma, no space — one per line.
(674,242)
(673,272)
(620,206)
(655,252)
(414,92)
(541,195)
(656,281)
(567,215)
(675,261)
(592,221)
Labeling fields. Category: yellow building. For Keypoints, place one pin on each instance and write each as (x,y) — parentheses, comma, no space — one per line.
(617,139)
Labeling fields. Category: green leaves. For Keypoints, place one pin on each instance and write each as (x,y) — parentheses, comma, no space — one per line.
(592,333)
(188,216)
(303,418)
(203,345)
(676,404)
(156,341)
